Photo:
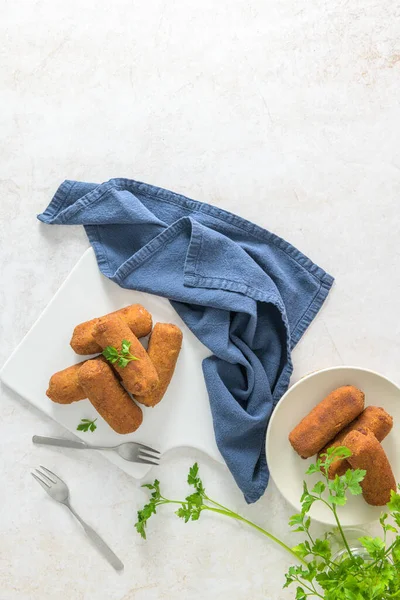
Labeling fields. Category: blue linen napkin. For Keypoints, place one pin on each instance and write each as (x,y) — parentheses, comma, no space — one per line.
(247,294)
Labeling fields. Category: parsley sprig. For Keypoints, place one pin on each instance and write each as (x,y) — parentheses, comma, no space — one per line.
(87,425)
(192,506)
(121,358)
(374,576)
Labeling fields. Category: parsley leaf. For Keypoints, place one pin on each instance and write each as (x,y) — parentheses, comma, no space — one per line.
(319,488)
(121,358)
(125,346)
(194,480)
(352,480)
(322,548)
(297,520)
(374,546)
(87,425)
(396,551)
(111,354)
(394,504)
(300,594)
(302,549)
(386,526)
(314,468)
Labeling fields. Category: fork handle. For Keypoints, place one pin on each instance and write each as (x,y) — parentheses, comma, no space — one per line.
(63,443)
(100,544)
(50,441)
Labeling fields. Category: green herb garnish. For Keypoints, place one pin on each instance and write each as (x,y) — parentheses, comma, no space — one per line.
(351,576)
(87,425)
(121,358)
(191,508)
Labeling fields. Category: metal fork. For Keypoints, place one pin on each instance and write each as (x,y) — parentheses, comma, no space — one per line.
(58,490)
(130,451)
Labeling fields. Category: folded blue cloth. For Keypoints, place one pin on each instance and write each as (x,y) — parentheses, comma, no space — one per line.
(244,292)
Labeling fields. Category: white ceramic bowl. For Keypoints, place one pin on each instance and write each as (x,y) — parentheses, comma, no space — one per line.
(288,469)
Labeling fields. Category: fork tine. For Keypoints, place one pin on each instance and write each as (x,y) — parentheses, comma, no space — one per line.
(50,474)
(148,454)
(44,485)
(44,477)
(146,461)
(143,447)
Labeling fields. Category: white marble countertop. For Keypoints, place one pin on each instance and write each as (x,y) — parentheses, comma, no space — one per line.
(285,112)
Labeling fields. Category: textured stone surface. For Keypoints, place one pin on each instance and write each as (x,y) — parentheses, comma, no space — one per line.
(285,112)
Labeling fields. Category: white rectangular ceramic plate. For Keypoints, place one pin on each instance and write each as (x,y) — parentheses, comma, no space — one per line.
(183,418)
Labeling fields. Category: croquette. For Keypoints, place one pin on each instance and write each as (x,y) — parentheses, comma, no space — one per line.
(108,397)
(135,316)
(326,419)
(64,387)
(138,376)
(368,454)
(164,347)
(374,418)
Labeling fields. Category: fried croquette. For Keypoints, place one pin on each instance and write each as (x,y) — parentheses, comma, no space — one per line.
(64,386)
(374,418)
(164,347)
(135,316)
(139,376)
(326,419)
(368,454)
(108,397)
